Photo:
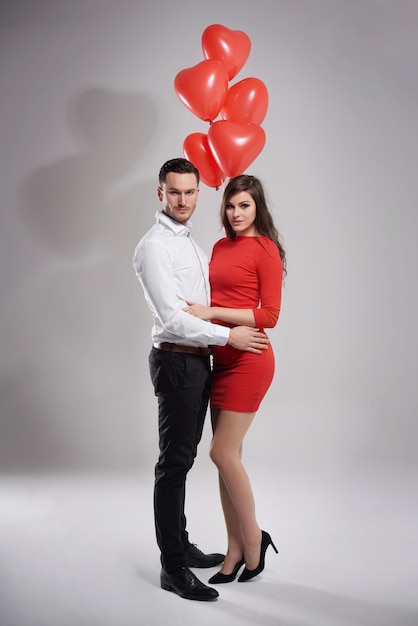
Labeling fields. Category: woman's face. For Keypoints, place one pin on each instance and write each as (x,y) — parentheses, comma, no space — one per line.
(240,212)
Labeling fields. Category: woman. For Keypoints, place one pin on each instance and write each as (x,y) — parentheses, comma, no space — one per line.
(246,272)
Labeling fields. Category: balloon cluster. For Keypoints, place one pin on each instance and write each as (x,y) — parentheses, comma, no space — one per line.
(236,139)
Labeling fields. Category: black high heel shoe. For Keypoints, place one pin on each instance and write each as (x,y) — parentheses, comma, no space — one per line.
(219,578)
(266,541)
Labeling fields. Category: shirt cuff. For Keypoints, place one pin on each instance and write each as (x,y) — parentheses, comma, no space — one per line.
(222,335)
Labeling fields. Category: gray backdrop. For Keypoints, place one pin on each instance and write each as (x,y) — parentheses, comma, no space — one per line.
(89,113)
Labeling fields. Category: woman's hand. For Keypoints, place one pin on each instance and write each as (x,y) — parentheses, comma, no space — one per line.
(198,310)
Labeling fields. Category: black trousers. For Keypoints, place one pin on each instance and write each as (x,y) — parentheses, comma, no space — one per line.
(182,386)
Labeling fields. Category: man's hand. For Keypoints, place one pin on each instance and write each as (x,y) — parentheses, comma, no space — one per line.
(248,339)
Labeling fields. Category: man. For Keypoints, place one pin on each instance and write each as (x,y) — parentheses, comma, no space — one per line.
(172,270)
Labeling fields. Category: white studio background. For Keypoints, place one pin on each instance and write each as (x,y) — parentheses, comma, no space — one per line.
(88,115)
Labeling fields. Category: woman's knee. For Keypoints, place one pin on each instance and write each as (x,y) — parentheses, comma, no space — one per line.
(212,455)
(215,455)
(220,456)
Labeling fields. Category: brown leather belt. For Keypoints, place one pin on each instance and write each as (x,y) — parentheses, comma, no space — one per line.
(176,347)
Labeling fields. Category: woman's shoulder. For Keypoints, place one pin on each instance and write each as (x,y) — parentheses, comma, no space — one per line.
(268,252)
(268,244)
(221,242)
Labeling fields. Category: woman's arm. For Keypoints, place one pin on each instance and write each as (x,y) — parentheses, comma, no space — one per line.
(240,317)
(270,273)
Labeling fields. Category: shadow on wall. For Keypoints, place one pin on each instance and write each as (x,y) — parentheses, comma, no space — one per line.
(65,202)
(70,395)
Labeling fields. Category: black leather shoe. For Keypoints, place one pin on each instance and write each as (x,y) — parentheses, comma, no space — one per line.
(186,585)
(196,558)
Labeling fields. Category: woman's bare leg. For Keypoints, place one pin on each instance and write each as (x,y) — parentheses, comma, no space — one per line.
(244,534)
(235,549)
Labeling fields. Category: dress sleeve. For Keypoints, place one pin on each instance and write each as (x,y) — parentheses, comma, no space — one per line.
(270,275)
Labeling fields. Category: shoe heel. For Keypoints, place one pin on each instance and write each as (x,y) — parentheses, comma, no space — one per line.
(266,540)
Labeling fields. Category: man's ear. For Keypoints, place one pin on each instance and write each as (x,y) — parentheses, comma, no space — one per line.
(159,193)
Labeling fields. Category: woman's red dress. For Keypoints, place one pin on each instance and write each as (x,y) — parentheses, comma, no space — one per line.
(245,273)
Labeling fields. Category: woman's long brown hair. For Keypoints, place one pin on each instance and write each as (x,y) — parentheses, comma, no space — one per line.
(263,222)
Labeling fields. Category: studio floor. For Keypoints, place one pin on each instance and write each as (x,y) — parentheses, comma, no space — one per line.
(80,551)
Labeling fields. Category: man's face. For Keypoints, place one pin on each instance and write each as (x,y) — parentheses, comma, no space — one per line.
(178,196)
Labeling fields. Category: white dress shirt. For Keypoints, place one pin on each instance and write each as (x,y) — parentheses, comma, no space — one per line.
(172,270)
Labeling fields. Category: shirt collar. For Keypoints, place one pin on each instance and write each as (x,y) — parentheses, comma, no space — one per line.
(176,227)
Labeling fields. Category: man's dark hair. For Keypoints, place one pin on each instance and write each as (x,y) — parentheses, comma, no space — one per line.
(180,166)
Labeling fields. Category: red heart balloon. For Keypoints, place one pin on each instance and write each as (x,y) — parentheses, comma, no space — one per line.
(231,47)
(203,88)
(235,146)
(196,149)
(246,102)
